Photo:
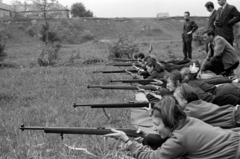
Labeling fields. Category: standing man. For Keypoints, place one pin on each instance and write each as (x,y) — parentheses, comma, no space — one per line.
(227,16)
(210,7)
(188,29)
(225,58)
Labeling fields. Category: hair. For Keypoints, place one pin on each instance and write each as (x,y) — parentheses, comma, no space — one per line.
(176,77)
(209,4)
(147,58)
(169,111)
(187,12)
(153,63)
(209,32)
(187,92)
(141,55)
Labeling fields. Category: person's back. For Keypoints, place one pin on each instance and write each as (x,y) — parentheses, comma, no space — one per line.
(195,139)
(212,114)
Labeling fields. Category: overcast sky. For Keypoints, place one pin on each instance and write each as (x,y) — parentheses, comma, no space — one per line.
(143,8)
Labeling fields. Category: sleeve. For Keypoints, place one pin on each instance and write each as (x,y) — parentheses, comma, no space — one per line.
(217,80)
(236,16)
(171,149)
(219,48)
(194,26)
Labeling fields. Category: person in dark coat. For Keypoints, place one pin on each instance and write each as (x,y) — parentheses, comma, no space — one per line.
(210,7)
(227,16)
(189,28)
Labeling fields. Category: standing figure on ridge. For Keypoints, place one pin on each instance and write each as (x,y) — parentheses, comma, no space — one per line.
(189,28)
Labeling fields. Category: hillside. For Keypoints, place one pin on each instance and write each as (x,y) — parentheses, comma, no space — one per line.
(73,30)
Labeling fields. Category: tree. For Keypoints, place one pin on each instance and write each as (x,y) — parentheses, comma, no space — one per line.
(79,10)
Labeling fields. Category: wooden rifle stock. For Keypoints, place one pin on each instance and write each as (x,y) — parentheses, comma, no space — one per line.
(80,130)
(153,88)
(114,105)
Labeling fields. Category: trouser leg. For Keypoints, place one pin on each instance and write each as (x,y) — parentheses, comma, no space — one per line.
(214,65)
(237,116)
(226,99)
(229,71)
(184,49)
(228,88)
(189,48)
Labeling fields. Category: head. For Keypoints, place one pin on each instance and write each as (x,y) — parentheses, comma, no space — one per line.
(135,56)
(174,80)
(222,2)
(140,56)
(208,36)
(186,15)
(166,115)
(209,6)
(185,94)
(152,65)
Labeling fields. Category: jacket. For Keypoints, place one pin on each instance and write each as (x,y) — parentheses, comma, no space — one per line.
(194,139)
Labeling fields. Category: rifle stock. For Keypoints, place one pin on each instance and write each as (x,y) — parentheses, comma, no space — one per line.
(153,88)
(116,71)
(115,105)
(80,130)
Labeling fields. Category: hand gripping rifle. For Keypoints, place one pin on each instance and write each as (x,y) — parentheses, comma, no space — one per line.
(80,130)
(153,88)
(117,71)
(115,105)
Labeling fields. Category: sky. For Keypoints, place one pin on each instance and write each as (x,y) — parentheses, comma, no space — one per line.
(143,8)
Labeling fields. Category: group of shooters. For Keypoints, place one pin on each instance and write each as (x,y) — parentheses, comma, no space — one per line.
(194,117)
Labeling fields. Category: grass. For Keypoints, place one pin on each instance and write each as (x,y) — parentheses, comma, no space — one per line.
(43,96)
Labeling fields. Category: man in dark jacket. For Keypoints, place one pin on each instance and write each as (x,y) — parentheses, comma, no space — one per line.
(210,7)
(227,16)
(188,29)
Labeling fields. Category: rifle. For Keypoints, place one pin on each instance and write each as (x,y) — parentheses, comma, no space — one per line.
(153,88)
(115,105)
(122,64)
(125,60)
(117,71)
(145,81)
(80,130)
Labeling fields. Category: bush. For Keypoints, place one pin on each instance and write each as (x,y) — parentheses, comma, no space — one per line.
(3,54)
(52,35)
(198,36)
(49,55)
(31,31)
(125,46)
(87,36)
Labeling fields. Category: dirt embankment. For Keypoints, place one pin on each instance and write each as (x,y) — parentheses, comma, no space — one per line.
(77,30)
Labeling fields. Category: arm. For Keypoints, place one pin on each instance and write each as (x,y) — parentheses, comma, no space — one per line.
(219,48)
(172,148)
(194,27)
(236,16)
(217,80)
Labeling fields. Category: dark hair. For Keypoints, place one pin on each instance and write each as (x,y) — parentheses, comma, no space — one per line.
(169,111)
(210,32)
(147,58)
(141,55)
(209,4)
(187,92)
(153,63)
(175,77)
(187,13)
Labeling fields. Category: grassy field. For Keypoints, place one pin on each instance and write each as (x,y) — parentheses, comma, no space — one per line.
(44,96)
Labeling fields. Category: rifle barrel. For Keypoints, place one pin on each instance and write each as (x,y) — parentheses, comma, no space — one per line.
(134,81)
(80,130)
(124,87)
(114,105)
(122,64)
(116,71)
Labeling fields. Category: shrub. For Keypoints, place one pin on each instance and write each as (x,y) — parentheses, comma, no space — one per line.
(125,46)
(49,55)
(87,36)
(52,35)
(31,31)
(198,36)
(3,54)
